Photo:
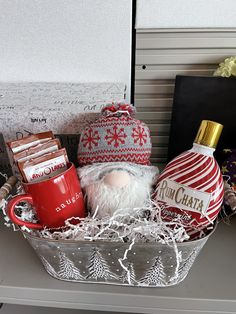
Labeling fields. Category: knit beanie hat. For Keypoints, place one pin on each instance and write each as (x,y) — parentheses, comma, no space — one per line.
(115,136)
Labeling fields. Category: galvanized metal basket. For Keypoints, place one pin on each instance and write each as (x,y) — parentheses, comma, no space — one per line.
(145,264)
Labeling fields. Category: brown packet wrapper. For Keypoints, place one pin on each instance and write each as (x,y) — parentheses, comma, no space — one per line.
(38,150)
(44,167)
(29,141)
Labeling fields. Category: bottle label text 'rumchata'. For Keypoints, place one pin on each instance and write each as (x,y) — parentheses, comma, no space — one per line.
(180,196)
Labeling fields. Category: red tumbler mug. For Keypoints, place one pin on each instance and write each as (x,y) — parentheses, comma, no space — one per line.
(55,200)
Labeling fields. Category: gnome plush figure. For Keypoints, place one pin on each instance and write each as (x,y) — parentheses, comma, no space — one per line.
(114,158)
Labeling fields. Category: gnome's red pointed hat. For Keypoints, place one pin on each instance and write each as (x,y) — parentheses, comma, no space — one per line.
(115,136)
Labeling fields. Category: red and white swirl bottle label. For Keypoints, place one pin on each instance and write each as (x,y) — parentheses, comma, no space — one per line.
(191,189)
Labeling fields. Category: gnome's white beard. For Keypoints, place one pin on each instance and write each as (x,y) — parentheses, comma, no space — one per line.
(107,199)
(105,195)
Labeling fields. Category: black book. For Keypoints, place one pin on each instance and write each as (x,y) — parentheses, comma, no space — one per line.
(199,98)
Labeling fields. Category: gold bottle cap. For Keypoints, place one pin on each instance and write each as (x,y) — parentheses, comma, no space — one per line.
(208,133)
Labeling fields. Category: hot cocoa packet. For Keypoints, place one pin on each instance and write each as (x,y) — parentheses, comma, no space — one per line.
(44,167)
(29,141)
(38,150)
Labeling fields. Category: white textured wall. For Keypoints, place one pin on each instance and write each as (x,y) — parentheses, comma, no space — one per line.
(185,13)
(65,40)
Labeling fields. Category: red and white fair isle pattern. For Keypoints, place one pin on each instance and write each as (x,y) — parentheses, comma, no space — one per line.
(199,172)
(113,138)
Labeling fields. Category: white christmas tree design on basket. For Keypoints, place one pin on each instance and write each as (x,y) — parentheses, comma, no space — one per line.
(68,269)
(128,275)
(98,267)
(146,265)
(155,274)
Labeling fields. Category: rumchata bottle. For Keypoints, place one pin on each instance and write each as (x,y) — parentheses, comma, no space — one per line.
(190,189)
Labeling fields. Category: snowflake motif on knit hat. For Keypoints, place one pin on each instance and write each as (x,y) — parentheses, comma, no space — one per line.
(139,135)
(90,138)
(116,136)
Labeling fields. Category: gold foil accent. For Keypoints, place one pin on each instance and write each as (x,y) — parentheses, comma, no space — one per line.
(208,133)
